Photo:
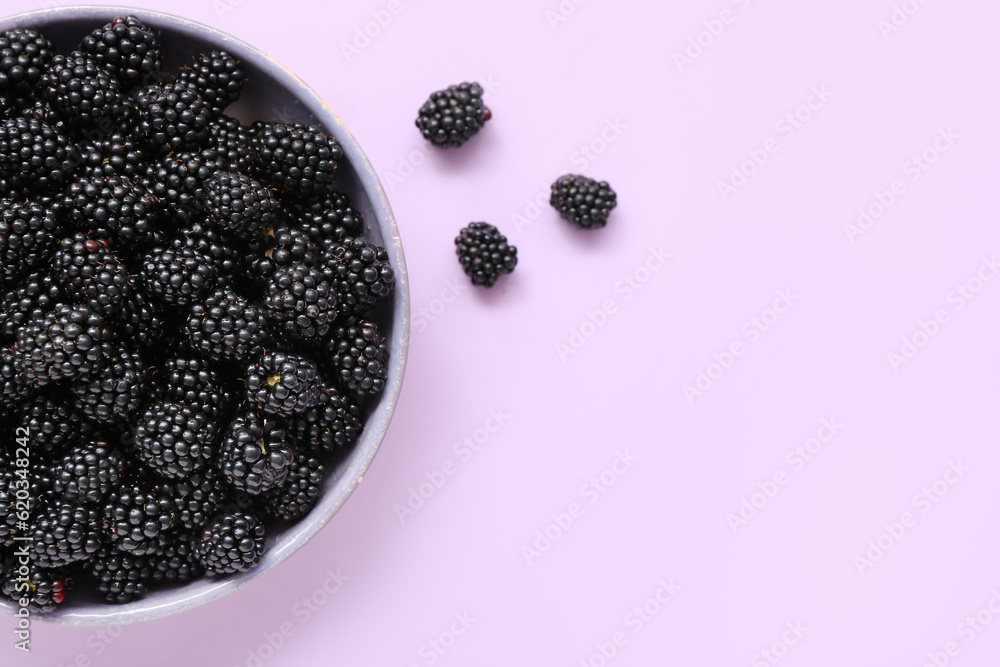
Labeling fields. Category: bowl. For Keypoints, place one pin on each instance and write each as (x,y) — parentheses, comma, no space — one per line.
(273,93)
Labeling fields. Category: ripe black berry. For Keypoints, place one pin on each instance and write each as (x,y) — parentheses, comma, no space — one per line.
(450,117)
(360,273)
(127,49)
(583,201)
(255,455)
(283,384)
(231,543)
(298,159)
(484,253)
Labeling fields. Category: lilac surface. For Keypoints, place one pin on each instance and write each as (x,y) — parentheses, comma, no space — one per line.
(795,578)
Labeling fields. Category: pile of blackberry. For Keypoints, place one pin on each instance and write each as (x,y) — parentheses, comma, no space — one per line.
(189,314)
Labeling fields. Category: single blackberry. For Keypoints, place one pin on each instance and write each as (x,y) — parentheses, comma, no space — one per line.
(299,493)
(450,117)
(24,55)
(192,381)
(173,117)
(233,144)
(31,297)
(583,201)
(64,344)
(279,248)
(298,159)
(54,423)
(217,76)
(178,275)
(332,424)
(360,273)
(175,439)
(255,455)
(177,562)
(240,205)
(63,533)
(300,302)
(199,496)
(217,246)
(111,207)
(137,513)
(87,473)
(34,155)
(91,272)
(484,253)
(227,326)
(143,320)
(114,393)
(231,543)
(81,92)
(44,589)
(127,49)
(117,154)
(28,237)
(359,356)
(329,216)
(177,181)
(283,384)
(119,576)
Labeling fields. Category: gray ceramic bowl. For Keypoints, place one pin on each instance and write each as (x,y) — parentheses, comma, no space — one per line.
(273,93)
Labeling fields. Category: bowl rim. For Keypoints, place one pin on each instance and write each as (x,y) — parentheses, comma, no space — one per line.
(174,601)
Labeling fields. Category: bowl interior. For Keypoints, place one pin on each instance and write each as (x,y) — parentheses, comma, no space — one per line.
(273,93)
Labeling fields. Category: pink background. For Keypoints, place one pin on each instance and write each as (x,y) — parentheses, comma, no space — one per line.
(877,547)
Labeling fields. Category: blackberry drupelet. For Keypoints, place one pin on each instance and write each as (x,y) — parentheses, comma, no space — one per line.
(360,273)
(583,201)
(31,297)
(11,491)
(144,321)
(177,562)
(119,576)
(175,439)
(178,275)
(45,589)
(115,208)
(28,238)
(255,455)
(177,181)
(87,473)
(24,55)
(173,117)
(283,384)
(64,344)
(359,356)
(299,494)
(92,273)
(34,155)
(199,497)
(114,393)
(450,117)
(117,154)
(231,543)
(127,49)
(279,248)
(331,425)
(227,326)
(328,217)
(484,253)
(300,302)
(217,76)
(234,146)
(298,159)
(192,381)
(240,205)
(137,513)
(63,533)
(54,423)
(80,92)
(13,386)
(222,250)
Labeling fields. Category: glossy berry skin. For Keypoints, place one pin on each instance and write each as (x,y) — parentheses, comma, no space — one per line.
(24,55)
(300,302)
(450,117)
(46,587)
(583,201)
(192,380)
(484,253)
(175,439)
(178,275)
(92,272)
(255,454)
(298,159)
(120,576)
(113,394)
(360,272)
(237,204)
(333,424)
(137,513)
(81,92)
(63,533)
(64,344)
(359,357)
(116,208)
(28,238)
(34,155)
(231,543)
(217,76)
(127,49)
(88,472)
(225,326)
(173,117)
(283,384)
(299,493)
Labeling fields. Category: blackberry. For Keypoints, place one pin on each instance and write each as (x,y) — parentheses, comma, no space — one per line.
(13,385)
(360,273)
(33,296)
(300,302)
(91,272)
(28,237)
(63,533)
(198,498)
(175,439)
(300,492)
(255,455)
(87,473)
(111,207)
(359,357)
(34,155)
(332,424)
(583,201)
(24,55)
(233,144)
(142,320)
(231,543)
(281,247)
(217,76)
(12,499)
(283,384)
(54,423)
(484,253)
(80,92)
(227,326)
(127,49)
(240,205)
(64,344)
(173,117)
(177,562)
(219,248)
(330,216)
(137,513)
(119,576)
(114,393)
(117,154)
(191,380)
(450,117)
(178,275)
(45,589)
(298,159)
(177,181)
